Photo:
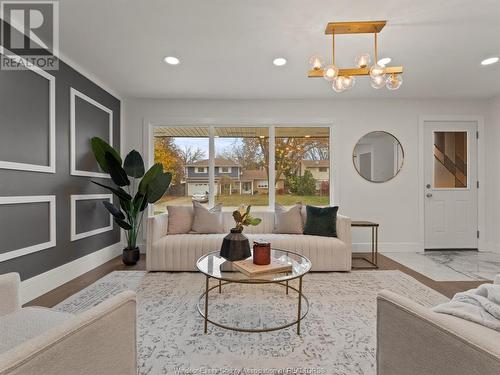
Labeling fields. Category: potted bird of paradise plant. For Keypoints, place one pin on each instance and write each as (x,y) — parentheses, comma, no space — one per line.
(135,189)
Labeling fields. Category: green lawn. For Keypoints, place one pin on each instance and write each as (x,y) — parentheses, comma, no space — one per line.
(263,200)
(235,200)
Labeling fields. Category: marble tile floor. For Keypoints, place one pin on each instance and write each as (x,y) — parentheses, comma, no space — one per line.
(451,265)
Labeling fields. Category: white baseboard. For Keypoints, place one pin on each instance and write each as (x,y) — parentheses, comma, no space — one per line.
(490,246)
(387,247)
(45,282)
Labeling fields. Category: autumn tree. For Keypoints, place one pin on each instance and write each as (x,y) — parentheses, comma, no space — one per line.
(190,155)
(168,154)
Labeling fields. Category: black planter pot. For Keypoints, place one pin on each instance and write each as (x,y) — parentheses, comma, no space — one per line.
(131,256)
(235,246)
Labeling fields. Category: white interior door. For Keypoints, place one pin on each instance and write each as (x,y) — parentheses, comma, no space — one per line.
(450,170)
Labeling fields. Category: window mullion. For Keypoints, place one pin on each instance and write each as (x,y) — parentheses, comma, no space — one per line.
(272,165)
(211,166)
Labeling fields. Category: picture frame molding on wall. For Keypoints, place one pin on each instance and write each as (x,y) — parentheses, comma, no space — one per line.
(78,197)
(52,224)
(51,168)
(74,93)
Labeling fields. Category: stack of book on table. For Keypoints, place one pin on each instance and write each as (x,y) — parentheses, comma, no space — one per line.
(250,269)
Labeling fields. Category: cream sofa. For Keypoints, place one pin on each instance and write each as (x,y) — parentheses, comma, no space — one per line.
(180,252)
(413,340)
(36,340)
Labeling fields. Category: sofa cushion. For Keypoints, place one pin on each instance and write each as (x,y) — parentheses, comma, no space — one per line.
(207,221)
(180,219)
(288,220)
(321,221)
(26,323)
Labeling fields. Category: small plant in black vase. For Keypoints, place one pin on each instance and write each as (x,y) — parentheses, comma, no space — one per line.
(235,245)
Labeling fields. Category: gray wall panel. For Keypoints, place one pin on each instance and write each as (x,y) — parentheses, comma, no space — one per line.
(24,117)
(61,184)
(23,225)
(90,214)
(90,121)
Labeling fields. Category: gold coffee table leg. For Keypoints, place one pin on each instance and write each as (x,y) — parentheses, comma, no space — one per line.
(299,306)
(206,303)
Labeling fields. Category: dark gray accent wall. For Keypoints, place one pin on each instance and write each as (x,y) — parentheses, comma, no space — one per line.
(24,134)
(90,214)
(33,135)
(90,121)
(14,217)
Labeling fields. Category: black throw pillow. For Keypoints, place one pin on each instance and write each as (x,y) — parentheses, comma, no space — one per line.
(321,221)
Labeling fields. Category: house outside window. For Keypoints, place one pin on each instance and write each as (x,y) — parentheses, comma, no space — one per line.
(201,170)
(225,169)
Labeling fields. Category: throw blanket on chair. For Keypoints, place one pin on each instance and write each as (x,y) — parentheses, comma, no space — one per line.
(481,305)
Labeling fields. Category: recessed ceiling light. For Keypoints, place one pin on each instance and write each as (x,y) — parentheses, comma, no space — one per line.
(171,60)
(384,61)
(489,61)
(279,61)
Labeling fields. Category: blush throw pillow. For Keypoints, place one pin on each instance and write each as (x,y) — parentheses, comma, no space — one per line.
(207,221)
(180,219)
(288,221)
(321,221)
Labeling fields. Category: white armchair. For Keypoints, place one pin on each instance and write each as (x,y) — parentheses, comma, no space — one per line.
(36,340)
(413,340)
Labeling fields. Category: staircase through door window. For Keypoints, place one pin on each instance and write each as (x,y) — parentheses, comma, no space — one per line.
(450,159)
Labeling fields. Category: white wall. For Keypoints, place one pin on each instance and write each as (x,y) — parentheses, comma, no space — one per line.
(393,204)
(493,175)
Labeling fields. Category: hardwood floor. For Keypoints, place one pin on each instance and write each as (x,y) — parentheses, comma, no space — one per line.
(448,288)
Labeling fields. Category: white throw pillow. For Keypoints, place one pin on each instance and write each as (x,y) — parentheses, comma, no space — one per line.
(207,221)
(180,219)
(288,221)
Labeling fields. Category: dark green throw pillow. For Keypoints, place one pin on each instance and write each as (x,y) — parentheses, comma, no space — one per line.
(321,221)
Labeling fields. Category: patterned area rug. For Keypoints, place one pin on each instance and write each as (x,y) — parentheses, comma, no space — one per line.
(338,334)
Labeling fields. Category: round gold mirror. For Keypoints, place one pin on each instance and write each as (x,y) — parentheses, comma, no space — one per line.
(378,156)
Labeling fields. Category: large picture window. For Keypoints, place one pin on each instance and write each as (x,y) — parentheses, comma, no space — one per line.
(241,166)
(302,165)
(232,165)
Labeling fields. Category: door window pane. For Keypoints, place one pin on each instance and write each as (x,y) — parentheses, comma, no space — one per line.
(302,163)
(184,152)
(241,166)
(450,160)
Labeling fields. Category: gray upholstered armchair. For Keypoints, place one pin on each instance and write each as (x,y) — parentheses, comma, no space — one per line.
(36,340)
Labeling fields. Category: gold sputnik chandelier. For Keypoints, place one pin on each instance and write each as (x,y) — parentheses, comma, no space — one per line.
(344,79)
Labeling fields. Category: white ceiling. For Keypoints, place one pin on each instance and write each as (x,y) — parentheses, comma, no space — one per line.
(226,47)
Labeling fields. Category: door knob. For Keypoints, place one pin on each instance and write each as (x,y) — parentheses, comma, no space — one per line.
(428,195)
(428,186)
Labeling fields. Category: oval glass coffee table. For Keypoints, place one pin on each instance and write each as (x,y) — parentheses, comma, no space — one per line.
(213,266)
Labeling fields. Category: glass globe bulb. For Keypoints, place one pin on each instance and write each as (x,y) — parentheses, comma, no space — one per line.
(378,82)
(376,70)
(316,62)
(362,61)
(330,72)
(349,82)
(394,82)
(338,84)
